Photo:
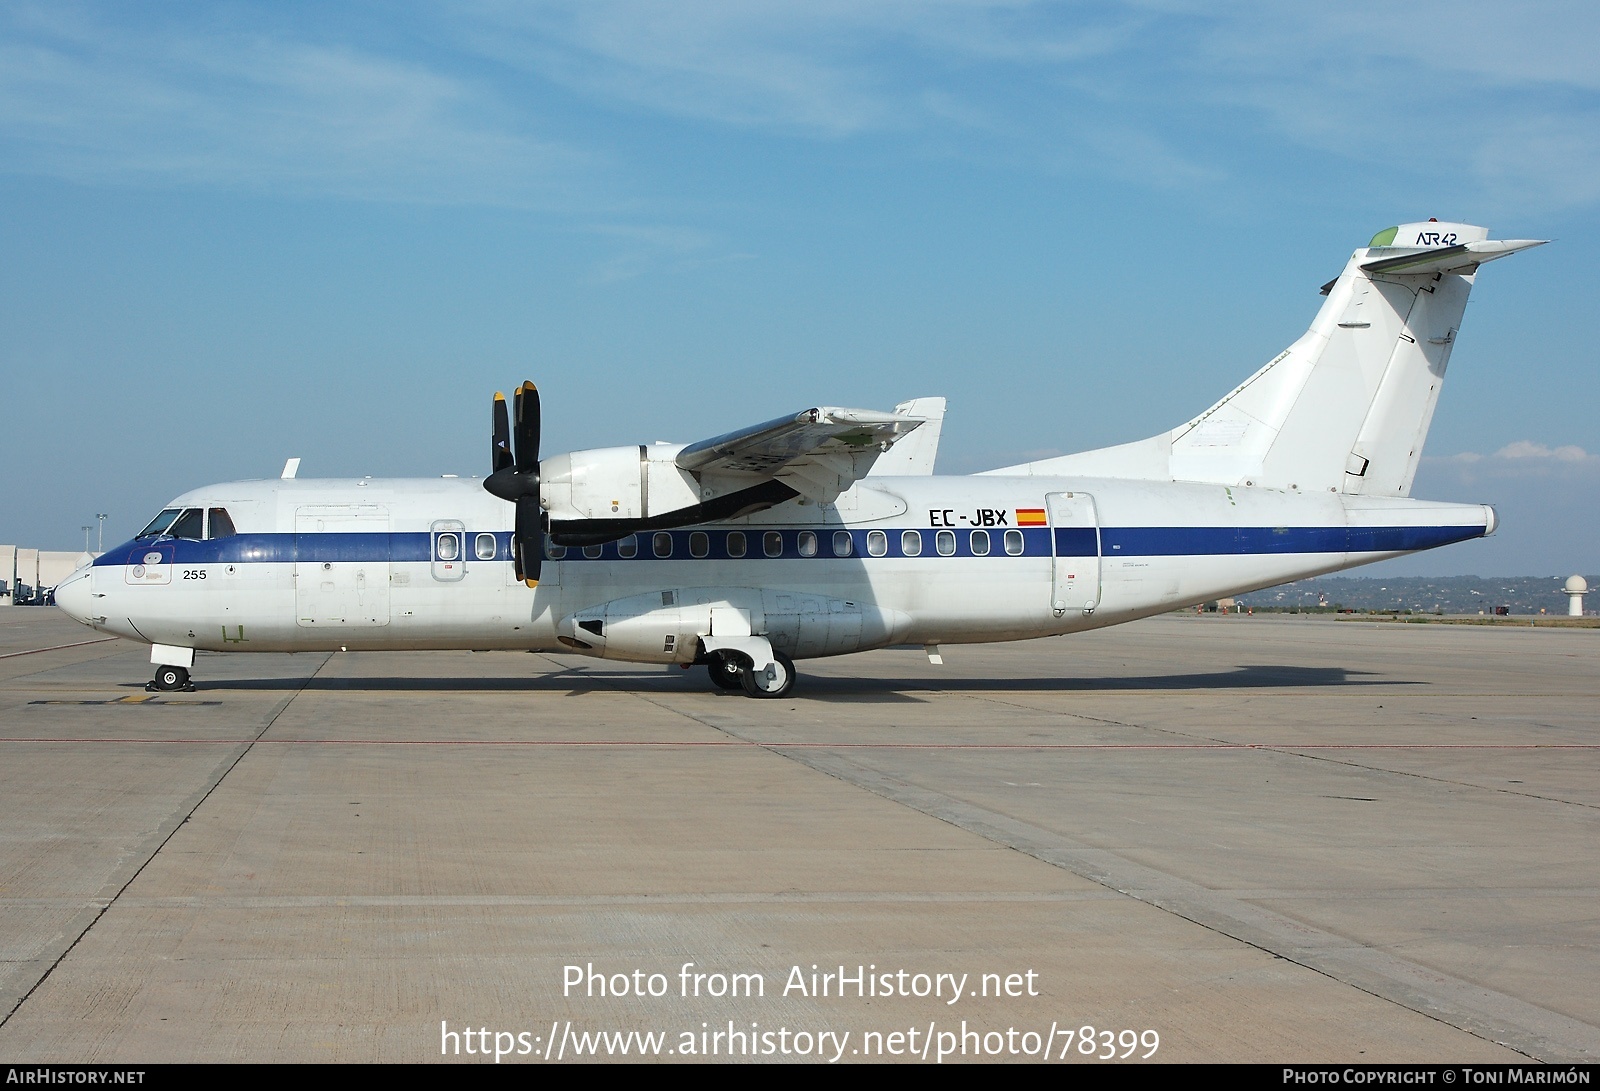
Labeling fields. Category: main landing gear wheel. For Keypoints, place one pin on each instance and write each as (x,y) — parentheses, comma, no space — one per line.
(776,681)
(724,671)
(169,680)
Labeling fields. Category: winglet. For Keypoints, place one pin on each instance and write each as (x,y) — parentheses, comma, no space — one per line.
(913,455)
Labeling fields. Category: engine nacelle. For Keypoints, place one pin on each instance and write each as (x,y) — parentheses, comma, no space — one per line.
(635,482)
(669,626)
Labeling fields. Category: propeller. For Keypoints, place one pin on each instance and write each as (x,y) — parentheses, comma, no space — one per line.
(514,476)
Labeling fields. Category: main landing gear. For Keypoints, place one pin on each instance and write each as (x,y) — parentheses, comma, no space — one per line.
(732,672)
(170,680)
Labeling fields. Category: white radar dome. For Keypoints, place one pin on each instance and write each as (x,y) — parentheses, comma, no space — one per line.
(1577,584)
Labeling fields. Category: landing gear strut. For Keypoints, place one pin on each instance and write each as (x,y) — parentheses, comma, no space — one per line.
(170,680)
(724,671)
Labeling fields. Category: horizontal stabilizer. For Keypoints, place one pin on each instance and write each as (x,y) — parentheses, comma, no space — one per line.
(1461,258)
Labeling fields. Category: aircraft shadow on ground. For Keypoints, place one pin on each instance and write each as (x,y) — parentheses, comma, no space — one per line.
(865,689)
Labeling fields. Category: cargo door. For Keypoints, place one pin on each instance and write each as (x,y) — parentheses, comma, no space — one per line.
(341,571)
(1075,540)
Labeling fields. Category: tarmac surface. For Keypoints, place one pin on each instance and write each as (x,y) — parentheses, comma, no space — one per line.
(1217,838)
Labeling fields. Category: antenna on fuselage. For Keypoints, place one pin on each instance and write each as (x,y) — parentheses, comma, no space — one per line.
(290,468)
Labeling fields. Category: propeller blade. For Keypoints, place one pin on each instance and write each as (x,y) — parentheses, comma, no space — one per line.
(514,476)
(500,456)
(528,430)
(527,543)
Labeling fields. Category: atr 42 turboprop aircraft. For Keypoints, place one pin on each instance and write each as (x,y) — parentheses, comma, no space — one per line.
(825,532)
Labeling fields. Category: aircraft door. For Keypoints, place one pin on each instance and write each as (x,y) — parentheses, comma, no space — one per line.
(447,540)
(1075,542)
(341,571)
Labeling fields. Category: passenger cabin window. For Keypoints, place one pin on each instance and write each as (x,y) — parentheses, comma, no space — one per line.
(736,543)
(980,543)
(593,552)
(945,543)
(1014,542)
(191,524)
(484,546)
(554,552)
(447,547)
(772,543)
(911,543)
(808,543)
(628,547)
(158,526)
(843,546)
(699,544)
(877,543)
(662,544)
(218,525)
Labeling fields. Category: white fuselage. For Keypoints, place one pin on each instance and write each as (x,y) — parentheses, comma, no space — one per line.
(320,565)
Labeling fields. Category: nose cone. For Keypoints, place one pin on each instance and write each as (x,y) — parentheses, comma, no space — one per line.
(74,597)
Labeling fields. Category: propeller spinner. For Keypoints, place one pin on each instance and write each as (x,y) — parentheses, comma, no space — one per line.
(514,476)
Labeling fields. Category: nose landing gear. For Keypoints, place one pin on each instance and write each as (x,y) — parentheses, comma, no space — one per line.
(170,680)
(733,670)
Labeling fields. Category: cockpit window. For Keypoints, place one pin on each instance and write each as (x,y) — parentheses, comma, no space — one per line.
(218,524)
(191,524)
(158,526)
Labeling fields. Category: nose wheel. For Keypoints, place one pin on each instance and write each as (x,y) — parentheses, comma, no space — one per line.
(170,680)
(775,681)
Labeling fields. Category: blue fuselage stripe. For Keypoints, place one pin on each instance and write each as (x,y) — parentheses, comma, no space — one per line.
(808,544)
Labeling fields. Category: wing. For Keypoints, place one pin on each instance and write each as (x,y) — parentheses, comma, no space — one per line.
(819,453)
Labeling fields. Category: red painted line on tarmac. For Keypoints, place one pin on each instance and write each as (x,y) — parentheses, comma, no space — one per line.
(58,647)
(644,743)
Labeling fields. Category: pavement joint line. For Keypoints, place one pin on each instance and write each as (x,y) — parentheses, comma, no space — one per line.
(1314,749)
(1287,749)
(783,897)
(846,897)
(1496,1017)
(58,647)
(98,907)
(1458,783)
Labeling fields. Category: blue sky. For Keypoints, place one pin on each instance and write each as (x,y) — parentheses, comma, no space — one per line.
(238,232)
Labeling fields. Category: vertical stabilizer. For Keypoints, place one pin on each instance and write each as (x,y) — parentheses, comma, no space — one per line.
(1346,407)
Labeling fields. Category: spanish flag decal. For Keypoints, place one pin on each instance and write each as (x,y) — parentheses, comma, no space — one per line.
(1030,517)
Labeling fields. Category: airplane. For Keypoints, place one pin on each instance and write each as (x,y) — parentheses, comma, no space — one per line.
(825,532)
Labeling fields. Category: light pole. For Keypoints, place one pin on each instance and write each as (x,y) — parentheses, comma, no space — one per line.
(102,542)
(86,530)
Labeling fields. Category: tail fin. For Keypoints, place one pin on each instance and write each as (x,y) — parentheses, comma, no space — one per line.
(1346,407)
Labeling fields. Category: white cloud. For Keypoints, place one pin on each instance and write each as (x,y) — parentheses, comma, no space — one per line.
(1468,101)
(638,250)
(1527,452)
(1487,101)
(827,67)
(98,102)
(1523,460)
(1527,449)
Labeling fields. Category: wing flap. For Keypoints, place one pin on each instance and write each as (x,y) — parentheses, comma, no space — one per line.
(819,452)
